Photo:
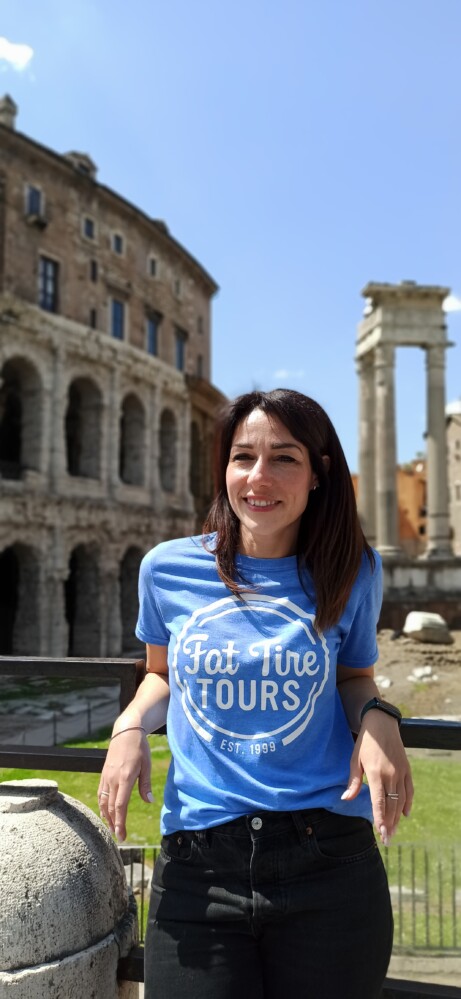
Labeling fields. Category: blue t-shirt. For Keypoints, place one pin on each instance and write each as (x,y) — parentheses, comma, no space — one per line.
(255,720)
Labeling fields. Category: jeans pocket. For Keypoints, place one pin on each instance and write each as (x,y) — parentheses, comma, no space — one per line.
(179,846)
(342,839)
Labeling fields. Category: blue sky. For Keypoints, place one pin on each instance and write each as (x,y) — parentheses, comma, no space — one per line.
(298,150)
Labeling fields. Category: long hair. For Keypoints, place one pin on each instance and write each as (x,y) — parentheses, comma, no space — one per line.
(330,542)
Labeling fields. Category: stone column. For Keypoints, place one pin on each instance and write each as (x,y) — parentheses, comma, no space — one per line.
(58,458)
(367,456)
(438,531)
(385,450)
(111,618)
(112,416)
(56,575)
(153,447)
(183,457)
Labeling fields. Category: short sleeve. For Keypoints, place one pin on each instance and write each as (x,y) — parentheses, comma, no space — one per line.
(151,626)
(359,646)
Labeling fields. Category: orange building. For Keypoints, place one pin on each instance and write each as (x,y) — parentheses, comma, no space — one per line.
(411,494)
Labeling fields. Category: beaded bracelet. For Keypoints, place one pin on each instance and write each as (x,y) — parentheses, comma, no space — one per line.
(133,728)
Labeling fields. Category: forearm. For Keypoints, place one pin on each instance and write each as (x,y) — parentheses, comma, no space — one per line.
(148,708)
(354,693)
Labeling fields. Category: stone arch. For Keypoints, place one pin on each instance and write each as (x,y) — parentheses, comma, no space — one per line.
(19,594)
(132,441)
(21,410)
(196,461)
(83,428)
(82,602)
(168,448)
(129,572)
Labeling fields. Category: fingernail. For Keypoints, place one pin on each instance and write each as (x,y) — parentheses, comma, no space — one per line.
(384,836)
(346,794)
(150,796)
(118,835)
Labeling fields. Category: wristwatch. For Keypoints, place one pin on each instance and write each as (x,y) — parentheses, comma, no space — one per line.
(389,709)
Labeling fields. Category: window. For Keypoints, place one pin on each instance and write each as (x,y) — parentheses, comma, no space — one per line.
(93,319)
(200,324)
(33,200)
(177,289)
(117,243)
(199,366)
(181,337)
(48,284)
(152,326)
(88,228)
(93,270)
(152,267)
(118,319)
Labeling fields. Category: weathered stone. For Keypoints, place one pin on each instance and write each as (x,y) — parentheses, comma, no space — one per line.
(426,627)
(66,914)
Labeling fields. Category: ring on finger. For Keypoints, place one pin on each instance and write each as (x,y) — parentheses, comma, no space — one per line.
(390,794)
(105,793)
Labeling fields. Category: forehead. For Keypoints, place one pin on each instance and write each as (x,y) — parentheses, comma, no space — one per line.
(260,426)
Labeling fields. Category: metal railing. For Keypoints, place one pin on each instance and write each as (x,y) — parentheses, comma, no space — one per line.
(413,910)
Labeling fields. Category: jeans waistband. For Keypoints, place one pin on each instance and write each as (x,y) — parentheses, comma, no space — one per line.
(268,823)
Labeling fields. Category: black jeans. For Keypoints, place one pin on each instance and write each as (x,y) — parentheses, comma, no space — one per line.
(272,905)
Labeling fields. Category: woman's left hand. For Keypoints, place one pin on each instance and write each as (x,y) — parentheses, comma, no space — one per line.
(380,755)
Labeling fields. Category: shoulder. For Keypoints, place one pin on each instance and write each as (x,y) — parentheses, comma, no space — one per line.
(178,552)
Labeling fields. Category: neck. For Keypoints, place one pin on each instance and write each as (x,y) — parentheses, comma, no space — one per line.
(270,547)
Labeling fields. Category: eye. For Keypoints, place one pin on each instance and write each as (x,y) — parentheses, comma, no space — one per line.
(286,458)
(242,456)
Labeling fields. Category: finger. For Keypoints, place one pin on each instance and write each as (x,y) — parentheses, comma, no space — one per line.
(120,809)
(144,781)
(409,792)
(353,788)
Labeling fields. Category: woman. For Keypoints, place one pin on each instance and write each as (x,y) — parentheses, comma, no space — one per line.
(261,637)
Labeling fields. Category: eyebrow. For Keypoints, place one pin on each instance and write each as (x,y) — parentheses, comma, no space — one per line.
(274,447)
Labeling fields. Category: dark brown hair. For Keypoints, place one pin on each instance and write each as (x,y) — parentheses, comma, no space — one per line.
(330,542)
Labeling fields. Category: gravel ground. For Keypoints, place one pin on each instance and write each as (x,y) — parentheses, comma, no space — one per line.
(437,695)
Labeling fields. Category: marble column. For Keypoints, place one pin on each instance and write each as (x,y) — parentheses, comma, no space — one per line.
(438,530)
(386,451)
(367,457)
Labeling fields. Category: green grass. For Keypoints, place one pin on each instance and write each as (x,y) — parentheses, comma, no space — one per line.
(422,857)
(143,825)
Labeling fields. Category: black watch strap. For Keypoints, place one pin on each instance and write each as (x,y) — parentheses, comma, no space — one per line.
(389,709)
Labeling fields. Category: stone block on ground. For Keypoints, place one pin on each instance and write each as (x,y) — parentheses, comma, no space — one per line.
(427,627)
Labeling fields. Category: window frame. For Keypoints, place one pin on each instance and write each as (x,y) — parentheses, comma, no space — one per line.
(152,316)
(43,293)
(117,235)
(124,314)
(28,188)
(85,219)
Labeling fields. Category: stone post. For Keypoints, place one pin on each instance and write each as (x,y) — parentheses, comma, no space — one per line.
(438,530)
(367,443)
(385,450)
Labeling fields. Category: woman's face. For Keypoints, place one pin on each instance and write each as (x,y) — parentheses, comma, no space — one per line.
(268,479)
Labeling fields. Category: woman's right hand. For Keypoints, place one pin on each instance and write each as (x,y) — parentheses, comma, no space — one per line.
(128,760)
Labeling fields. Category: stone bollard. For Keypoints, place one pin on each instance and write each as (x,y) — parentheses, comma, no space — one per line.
(66,914)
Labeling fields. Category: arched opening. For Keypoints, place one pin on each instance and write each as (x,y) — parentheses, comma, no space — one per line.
(168,439)
(132,436)
(195,466)
(20,418)
(129,572)
(83,429)
(9,586)
(19,608)
(82,602)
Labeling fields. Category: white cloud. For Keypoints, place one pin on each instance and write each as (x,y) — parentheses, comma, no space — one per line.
(17,56)
(285,374)
(452,304)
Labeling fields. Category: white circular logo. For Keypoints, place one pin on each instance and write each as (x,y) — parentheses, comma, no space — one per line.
(250,668)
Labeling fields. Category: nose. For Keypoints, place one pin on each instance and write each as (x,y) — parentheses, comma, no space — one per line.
(260,472)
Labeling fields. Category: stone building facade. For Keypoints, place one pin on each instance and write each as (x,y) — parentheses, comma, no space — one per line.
(453,415)
(106,406)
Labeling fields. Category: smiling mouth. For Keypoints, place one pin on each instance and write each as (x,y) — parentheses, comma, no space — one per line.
(260,504)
